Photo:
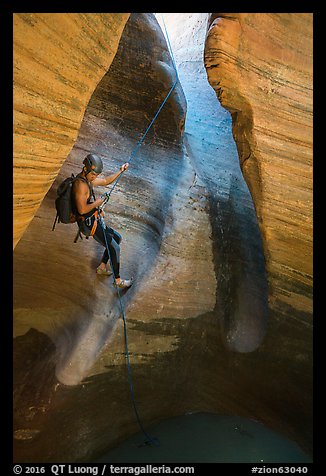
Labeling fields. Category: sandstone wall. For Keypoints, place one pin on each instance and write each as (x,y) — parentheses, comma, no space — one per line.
(71,393)
(161,212)
(260,66)
(59,59)
(241,301)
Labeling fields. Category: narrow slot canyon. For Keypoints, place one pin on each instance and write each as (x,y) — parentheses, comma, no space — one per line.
(215,212)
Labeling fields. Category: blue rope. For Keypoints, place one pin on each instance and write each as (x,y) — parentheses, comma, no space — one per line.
(132,155)
(149,439)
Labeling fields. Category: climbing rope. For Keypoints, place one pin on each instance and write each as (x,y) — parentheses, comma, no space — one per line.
(149,439)
(133,153)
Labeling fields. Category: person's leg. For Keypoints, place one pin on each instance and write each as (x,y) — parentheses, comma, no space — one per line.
(105,265)
(113,248)
(116,236)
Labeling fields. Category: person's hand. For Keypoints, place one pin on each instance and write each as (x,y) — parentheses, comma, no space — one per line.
(124,167)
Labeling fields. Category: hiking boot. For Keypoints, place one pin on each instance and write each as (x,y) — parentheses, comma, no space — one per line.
(104,272)
(124,283)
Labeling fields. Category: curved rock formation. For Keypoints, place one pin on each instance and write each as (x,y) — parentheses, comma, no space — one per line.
(72,399)
(260,66)
(59,59)
(241,303)
(161,212)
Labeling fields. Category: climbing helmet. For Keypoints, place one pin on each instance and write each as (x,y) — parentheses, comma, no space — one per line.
(93,163)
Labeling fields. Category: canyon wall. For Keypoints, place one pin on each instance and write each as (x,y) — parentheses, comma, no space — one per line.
(67,324)
(59,59)
(189,239)
(242,294)
(260,66)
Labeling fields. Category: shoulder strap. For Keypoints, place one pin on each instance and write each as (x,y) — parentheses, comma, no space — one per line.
(55,221)
(90,186)
(91,191)
(79,176)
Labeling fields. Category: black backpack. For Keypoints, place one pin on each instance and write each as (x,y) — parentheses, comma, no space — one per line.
(64,202)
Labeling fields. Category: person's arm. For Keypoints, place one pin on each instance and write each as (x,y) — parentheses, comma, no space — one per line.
(81,196)
(110,178)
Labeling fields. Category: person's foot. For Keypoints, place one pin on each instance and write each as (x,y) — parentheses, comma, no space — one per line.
(123,283)
(104,271)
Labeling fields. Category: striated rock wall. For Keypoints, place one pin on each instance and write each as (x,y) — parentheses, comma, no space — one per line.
(241,304)
(59,59)
(260,66)
(161,212)
(71,396)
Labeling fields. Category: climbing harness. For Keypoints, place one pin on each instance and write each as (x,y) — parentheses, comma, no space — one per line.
(100,219)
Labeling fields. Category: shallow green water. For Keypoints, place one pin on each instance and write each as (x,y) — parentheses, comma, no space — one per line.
(209,438)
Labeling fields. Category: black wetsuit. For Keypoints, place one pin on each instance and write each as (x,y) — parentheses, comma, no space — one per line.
(113,238)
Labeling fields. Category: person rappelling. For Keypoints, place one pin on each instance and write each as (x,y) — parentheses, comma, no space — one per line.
(88,213)
(74,204)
